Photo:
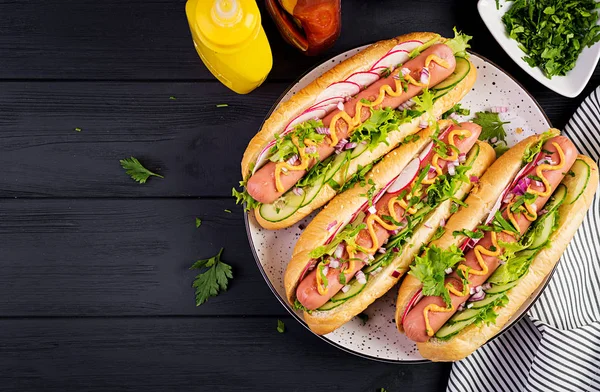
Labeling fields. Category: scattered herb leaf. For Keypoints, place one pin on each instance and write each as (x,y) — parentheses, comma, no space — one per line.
(213,279)
(136,170)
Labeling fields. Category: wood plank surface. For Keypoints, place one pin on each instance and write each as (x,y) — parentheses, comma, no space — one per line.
(195,145)
(118,257)
(185,354)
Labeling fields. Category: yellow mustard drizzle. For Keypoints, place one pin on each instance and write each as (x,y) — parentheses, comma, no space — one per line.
(302,166)
(479,250)
(452,157)
(320,288)
(370,220)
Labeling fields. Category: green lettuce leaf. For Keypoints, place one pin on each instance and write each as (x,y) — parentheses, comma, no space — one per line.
(430,269)
(459,44)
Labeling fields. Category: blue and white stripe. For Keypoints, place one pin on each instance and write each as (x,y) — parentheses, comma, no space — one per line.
(556,347)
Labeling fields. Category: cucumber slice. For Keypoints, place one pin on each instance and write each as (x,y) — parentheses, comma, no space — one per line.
(463,66)
(376,264)
(330,305)
(312,191)
(464,315)
(337,164)
(582,176)
(543,230)
(282,208)
(450,329)
(362,147)
(557,199)
(440,93)
(472,155)
(355,288)
(496,289)
(486,301)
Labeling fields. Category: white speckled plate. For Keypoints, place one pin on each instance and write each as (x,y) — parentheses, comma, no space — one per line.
(378,339)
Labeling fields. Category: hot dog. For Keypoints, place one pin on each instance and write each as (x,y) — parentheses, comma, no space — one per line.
(261,185)
(519,221)
(311,147)
(358,247)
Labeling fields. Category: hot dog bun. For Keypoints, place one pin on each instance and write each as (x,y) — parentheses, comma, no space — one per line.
(480,202)
(571,216)
(344,206)
(304,98)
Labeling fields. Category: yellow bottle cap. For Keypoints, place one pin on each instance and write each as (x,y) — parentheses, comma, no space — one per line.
(225,25)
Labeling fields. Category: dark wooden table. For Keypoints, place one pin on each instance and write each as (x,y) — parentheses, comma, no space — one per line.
(95,287)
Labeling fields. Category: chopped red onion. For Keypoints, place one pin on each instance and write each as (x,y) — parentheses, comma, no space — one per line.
(332,225)
(311,149)
(543,211)
(322,130)
(340,146)
(478,289)
(493,140)
(424,76)
(371,257)
(426,225)
(378,270)
(474,179)
(522,186)
(472,290)
(451,169)
(431,169)
(345,288)
(397,77)
(462,157)
(507,198)
(298,191)
(469,306)
(395,274)
(539,183)
(350,145)
(334,263)
(405,71)
(499,109)
(340,106)
(284,169)
(423,124)
(381,250)
(395,249)
(325,270)
(360,277)
(443,222)
(372,210)
(406,105)
(541,162)
(339,251)
(453,116)
(461,307)
(394,232)
(486,286)
(448,271)
(477,296)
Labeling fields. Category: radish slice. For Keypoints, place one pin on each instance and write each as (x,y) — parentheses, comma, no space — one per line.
(409,46)
(392,59)
(363,78)
(339,89)
(426,152)
(328,105)
(406,176)
(413,301)
(263,157)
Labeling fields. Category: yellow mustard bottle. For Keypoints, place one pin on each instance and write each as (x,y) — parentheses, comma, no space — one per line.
(230,40)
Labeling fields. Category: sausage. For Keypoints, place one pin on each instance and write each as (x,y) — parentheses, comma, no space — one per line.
(307,293)
(261,185)
(414,322)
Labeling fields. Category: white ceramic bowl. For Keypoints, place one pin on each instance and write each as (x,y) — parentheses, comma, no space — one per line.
(569,85)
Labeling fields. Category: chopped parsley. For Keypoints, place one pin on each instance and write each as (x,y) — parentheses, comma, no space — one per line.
(280,326)
(468,233)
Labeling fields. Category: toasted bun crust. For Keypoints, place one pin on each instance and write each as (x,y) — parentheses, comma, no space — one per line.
(278,120)
(480,202)
(304,98)
(378,285)
(473,337)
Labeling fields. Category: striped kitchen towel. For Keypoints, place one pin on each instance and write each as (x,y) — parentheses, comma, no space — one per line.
(556,347)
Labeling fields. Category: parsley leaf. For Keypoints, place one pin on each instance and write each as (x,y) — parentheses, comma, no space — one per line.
(458,109)
(280,326)
(136,170)
(491,126)
(213,279)
(198,222)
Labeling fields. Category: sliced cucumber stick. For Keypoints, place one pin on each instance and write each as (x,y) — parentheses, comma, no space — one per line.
(463,66)
(355,288)
(282,208)
(496,289)
(450,329)
(582,176)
